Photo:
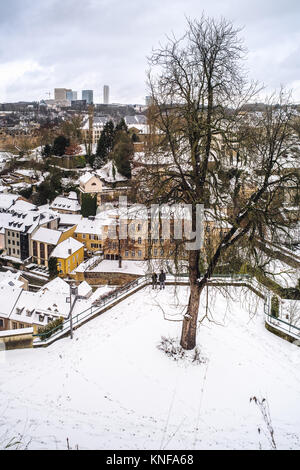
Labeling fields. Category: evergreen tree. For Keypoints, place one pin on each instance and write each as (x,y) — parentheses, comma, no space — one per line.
(52,267)
(47,151)
(122,126)
(123,153)
(88,205)
(105,144)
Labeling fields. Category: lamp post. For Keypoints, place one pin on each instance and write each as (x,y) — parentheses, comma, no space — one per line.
(74,294)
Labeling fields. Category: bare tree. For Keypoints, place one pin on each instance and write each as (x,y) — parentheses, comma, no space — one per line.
(205,148)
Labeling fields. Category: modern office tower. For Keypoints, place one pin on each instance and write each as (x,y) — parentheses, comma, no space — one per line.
(106,94)
(60,94)
(71,95)
(88,96)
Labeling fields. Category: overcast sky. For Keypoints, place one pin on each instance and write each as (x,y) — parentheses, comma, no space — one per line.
(86,44)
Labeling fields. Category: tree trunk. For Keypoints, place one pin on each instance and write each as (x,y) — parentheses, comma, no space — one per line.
(189,326)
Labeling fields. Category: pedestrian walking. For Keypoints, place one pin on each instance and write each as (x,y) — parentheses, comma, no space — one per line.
(154,281)
(162,280)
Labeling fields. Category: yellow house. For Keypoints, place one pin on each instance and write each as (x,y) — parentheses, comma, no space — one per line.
(69,254)
(44,241)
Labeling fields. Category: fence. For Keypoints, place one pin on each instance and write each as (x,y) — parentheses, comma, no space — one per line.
(111,298)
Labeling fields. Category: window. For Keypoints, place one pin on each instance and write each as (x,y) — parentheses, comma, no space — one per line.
(126,254)
(41,318)
(42,250)
(139,241)
(21,325)
(34,248)
(139,227)
(133,254)
(83,235)
(155,252)
(15,325)
(1,323)
(139,253)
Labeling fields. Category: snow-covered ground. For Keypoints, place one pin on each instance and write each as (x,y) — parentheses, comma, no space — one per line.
(111,388)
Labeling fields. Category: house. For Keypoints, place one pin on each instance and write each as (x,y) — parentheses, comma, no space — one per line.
(4,220)
(22,309)
(69,254)
(43,242)
(92,185)
(89,232)
(20,228)
(36,309)
(9,297)
(66,205)
(93,133)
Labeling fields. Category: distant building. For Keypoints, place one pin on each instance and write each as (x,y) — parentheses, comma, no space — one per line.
(79,105)
(98,125)
(71,95)
(106,94)
(148,100)
(60,94)
(88,95)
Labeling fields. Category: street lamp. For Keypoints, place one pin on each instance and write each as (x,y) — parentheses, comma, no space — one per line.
(74,294)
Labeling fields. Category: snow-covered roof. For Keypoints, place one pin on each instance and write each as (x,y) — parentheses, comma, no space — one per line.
(21,221)
(90,226)
(21,205)
(29,173)
(7,200)
(57,285)
(46,235)
(86,177)
(66,204)
(9,296)
(11,279)
(109,173)
(84,289)
(69,219)
(66,248)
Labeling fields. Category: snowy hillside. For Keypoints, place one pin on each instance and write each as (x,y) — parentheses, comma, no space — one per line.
(111,388)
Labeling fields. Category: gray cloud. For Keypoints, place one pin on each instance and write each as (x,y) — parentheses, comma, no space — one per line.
(51,43)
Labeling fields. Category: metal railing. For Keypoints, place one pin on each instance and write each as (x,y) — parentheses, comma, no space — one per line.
(110,298)
(283,326)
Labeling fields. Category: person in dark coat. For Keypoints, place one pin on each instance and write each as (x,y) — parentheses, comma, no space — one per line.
(154,281)
(162,280)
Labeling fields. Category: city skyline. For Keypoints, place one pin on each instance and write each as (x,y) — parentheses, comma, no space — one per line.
(85,46)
